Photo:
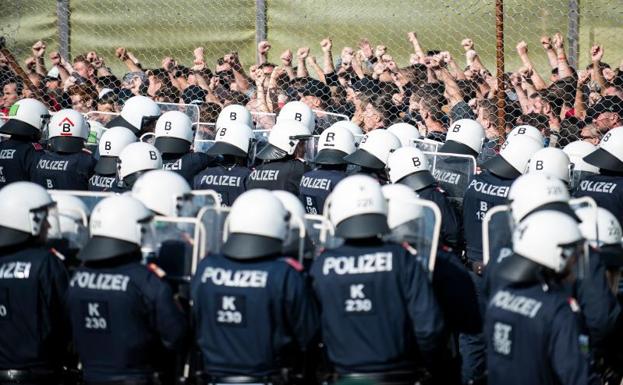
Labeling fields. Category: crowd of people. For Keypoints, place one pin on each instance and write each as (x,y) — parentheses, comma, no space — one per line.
(411,278)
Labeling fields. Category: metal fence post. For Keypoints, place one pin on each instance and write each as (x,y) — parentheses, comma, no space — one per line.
(62,14)
(260,24)
(574,32)
(499,61)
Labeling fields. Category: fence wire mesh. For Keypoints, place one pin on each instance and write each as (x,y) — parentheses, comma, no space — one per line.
(427,63)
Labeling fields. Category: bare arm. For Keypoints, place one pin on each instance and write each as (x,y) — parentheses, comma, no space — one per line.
(60,64)
(240,76)
(262,49)
(597,53)
(546,42)
(311,61)
(38,52)
(579,103)
(417,47)
(522,50)
(126,57)
(455,70)
(286,61)
(452,89)
(521,93)
(564,70)
(326,45)
(301,68)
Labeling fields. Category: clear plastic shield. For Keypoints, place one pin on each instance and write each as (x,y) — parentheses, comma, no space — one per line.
(421,233)
(204,136)
(174,245)
(90,198)
(576,177)
(497,234)
(101,116)
(191,110)
(454,172)
(427,145)
(213,220)
(264,120)
(311,148)
(321,233)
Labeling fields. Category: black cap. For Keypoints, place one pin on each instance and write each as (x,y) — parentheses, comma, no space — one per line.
(500,167)
(610,103)
(249,246)
(363,158)
(362,226)
(604,160)
(106,165)
(68,144)
(169,145)
(99,248)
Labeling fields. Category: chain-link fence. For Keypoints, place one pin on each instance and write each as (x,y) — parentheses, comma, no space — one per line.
(372,71)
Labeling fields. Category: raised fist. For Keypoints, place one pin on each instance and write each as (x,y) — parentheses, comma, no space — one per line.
(522,48)
(286,57)
(411,36)
(302,53)
(38,49)
(263,47)
(597,52)
(467,44)
(546,42)
(121,53)
(326,45)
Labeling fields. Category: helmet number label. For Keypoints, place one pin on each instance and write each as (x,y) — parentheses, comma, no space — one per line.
(153,155)
(107,145)
(416,162)
(521,131)
(167,126)
(539,165)
(233,116)
(456,128)
(298,117)
(4,304)
(222,131)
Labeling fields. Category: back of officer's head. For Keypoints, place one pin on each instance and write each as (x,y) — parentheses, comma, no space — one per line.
(546,246)
(285,140)
(135,159)
(113,141)
(465,136)
(163,192)
(603,232)
(119,226)
(27,118)
(532,191)
(299,112)
(357,208)
(512,161)
(551,161)
(233,140)
(374,150)
(25,207)
(334,144)
(234,113)
(405,132)
(609,154)
(72,225)
(68,131)
(409,166)
(174,133)
(138,114)
(256,226)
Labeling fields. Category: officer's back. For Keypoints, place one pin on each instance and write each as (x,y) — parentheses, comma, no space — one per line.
(67,165)
(123,316)
(20,152)
(251,305)
(227,179)
(316,185)
(33,283)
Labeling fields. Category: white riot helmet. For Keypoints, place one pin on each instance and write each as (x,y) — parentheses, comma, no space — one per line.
(603,232)
(113,141)
(357,208)
(333,145)
(234,113)
(409,166)
(609,154)
(399,209)
(283,139)
(137,158)
(137,114)
(548,239)
(527,130)
(512,161)
(24,207)
(163,192)
(374,149)
(119,225)
(298,112)
(292,204)
(67,131)
(233,138)
(577,151)
(405,132)
(72,221)
(551,161)
(352,127)
(538,191)
(257,225)
(174,133)
(465,136)
(27,117)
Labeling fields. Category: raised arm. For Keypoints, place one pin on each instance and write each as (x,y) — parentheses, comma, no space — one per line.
(326,45)
(564,70)
(38,52)
(286,62)
(546,42)
(522,50)
(597,53)
(301,68)
(128,59)
(262,49)
(417,47)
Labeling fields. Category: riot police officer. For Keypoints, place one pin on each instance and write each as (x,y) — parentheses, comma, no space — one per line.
(372,153)
(409,166)
(283,165)
(228,176)
(405,132)
(234,113)
(532,332)
(488,189)
(72,232)
(33,283)
(299,112)
(67,165)
(251,292)
(551,161)
(113,141)
(174,137)
(333,145)
(123,317)
(380,318)
(134,160)
(139,114)
(19,154)
(466,136)
(580,169)
(607,187)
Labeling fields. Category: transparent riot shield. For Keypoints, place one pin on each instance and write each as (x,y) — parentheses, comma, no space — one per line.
(90,198)
(311,148)
(213,219)
(321,233)
(497,234)
(191,110)
(148,137)
(101,117)
(204,136)
(576,177)
(421,233)
(334,116)
(264,120)
(427,145)
(175,246)
(454,172)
